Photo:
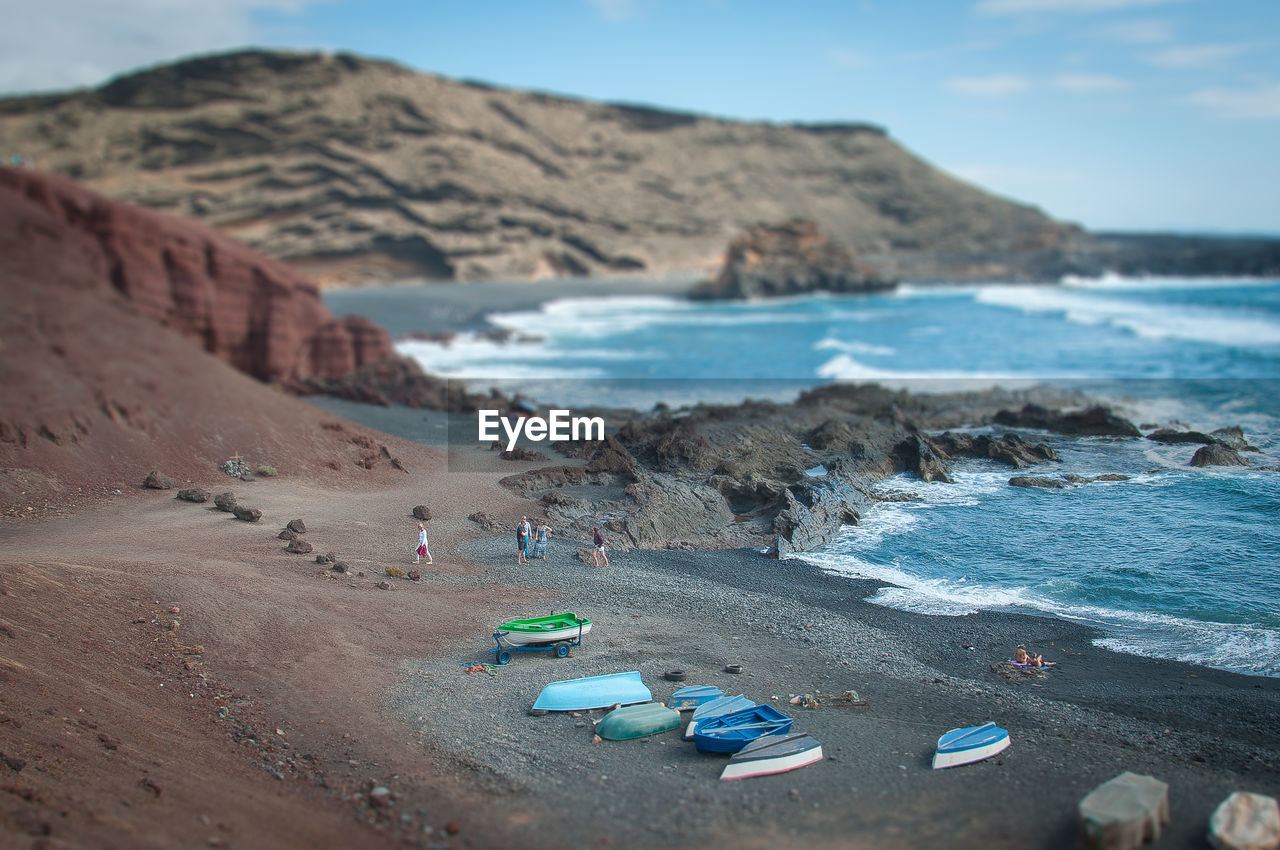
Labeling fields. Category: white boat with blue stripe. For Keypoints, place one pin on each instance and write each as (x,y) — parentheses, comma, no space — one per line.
(970,744)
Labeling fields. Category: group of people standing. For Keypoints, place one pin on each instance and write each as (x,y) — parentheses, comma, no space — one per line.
(531,542)
(525,535)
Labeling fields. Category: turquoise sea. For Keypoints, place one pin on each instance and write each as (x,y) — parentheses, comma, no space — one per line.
(1176,562)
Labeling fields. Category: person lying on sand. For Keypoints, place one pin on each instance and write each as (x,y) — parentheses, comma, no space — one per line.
(1024,659)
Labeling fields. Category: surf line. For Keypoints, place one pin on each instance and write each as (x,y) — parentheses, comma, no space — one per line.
(559,426)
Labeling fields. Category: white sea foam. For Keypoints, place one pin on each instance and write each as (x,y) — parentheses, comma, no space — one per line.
(853,347)
(842,367)
(1084,307)
(1120,283)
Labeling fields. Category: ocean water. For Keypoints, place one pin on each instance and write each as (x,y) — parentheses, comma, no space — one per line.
(1176,562)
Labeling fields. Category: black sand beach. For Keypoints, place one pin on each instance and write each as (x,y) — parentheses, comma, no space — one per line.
(796,630)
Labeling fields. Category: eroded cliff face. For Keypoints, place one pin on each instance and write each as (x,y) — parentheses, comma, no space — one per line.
(356,170)
(253,312)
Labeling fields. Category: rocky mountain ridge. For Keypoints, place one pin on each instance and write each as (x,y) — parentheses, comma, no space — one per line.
(354,169)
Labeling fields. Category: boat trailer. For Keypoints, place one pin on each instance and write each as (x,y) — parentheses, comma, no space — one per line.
(560,648)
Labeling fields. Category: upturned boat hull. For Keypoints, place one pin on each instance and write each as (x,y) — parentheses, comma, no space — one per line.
(593,692)
(773,754)
(969,744)
(638,721)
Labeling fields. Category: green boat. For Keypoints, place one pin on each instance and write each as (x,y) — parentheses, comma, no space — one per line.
(638,721)
(552,629)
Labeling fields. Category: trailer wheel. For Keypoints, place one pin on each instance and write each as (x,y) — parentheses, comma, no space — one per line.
(562,649)
(504,657)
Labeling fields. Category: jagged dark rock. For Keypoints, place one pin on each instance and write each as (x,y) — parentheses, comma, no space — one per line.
(298,546)
(297,526)
(287,534)
(193,494)
(1094,421)
(1168,435)
(915,454)
(1233,436)
(225,502)
(1009,449)
(1034,481)
(813,513)
(421,512)
(247,514)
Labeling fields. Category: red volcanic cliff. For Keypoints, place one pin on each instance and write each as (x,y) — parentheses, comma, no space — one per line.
(254,312)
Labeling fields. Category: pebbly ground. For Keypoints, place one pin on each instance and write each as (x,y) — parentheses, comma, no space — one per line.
(796,630)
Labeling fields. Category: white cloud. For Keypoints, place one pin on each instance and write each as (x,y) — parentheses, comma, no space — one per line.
(1029,7)
(1088,83)
(58,44)
(1150,31)
(849,58)
(615,10)
(1196,55)
(1262,102)
(998,85)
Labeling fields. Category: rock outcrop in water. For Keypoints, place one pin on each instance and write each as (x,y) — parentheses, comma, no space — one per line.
(793,258)
(786,477)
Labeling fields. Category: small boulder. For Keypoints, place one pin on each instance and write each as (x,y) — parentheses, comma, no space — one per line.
(194,494)
(267,471)
(247,514)
(483,520)
(339,567)
(1124,813)
(287,534)
(225,502)
(380,797)
(383,585)
(157,480)
(395,572)
(297,526)
(325,559)
(1217,455)
(298,546)
(422,512)
(414,575)
(1245,821)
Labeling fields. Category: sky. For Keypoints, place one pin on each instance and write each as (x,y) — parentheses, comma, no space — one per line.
(1115,114)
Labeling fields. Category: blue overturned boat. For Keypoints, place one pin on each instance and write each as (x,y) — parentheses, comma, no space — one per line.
(593,692)
(689,698)
(714,708)
(969,744)
(729,733)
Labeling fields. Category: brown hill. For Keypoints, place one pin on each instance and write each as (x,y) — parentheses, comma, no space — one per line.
(95,392)
(351,168)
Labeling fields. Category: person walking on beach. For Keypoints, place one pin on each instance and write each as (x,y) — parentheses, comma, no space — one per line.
(597,553)
(522,541)
(422,551)
(540,540)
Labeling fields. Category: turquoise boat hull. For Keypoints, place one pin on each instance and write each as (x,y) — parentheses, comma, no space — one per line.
(638,721)
(593,692)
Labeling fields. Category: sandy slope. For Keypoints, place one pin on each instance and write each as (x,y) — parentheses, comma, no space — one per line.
(285,646)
